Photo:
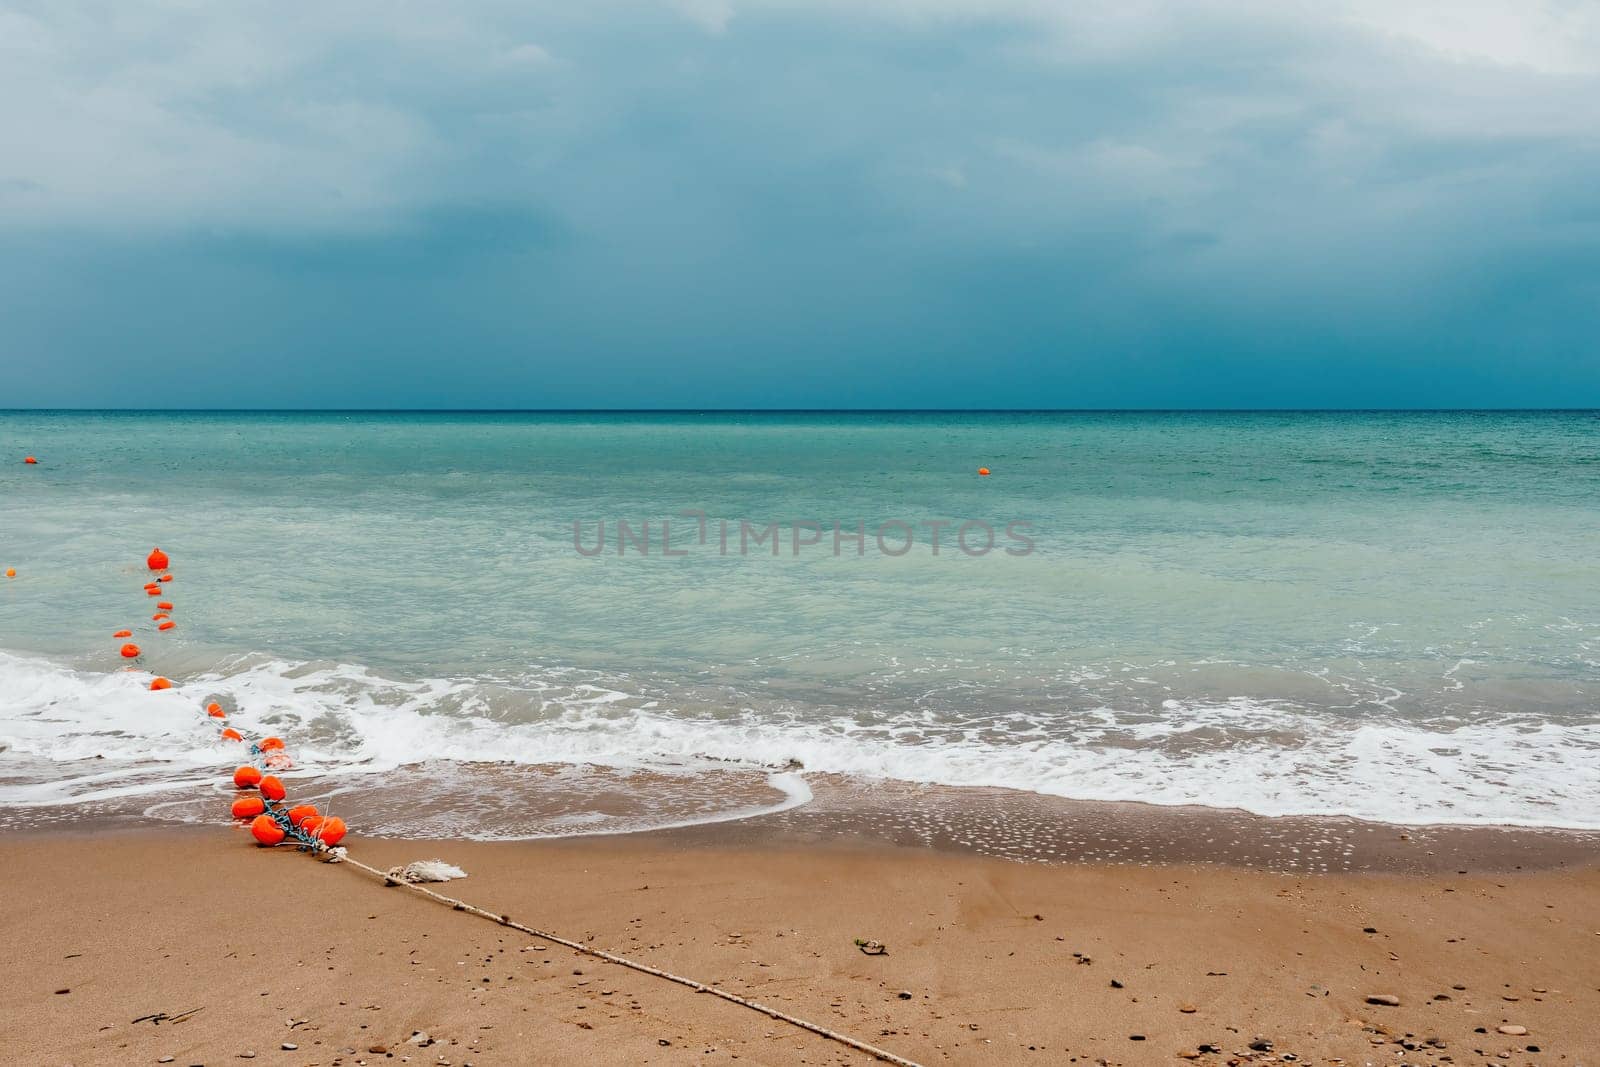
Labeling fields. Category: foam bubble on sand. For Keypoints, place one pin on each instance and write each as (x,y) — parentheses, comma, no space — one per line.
(76,737)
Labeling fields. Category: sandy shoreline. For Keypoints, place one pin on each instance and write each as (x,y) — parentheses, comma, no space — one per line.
(274,948)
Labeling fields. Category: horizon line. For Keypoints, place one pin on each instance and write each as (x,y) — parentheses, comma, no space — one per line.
(802,411)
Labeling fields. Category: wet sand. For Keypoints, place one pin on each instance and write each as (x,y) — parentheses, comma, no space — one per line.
(989,961)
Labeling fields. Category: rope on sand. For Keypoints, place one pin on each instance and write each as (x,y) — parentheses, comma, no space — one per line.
(272,822)
(339,855)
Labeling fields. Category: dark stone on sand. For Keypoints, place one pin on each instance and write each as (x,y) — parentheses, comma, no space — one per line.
(1388,1000)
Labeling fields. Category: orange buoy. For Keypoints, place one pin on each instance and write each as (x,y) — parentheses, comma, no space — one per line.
(270,743)
(331,831)
(129,651)
(248,807)
(301,812)
(230,734)
(161,683)
(11,572)
(29,459)
(310,823)
(984,471)
(279,761)
(152,590)
(165,578)
(123,633)
(157,560)
(246,777)
(215,711)
(265,829)
(169,624)
(158,616)
(272,788)
(165,605)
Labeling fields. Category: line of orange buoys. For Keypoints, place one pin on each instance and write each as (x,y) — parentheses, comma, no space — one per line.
(271,822)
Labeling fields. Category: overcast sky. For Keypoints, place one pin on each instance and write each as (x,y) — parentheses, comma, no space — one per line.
(816,203)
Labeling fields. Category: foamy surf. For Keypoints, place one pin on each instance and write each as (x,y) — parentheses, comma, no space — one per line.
(562,752)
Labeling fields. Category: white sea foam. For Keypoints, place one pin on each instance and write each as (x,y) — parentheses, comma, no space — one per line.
(72,736)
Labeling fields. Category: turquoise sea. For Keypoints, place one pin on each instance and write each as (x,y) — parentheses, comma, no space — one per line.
(1392,616)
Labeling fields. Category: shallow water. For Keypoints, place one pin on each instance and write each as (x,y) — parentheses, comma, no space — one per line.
(1389,616)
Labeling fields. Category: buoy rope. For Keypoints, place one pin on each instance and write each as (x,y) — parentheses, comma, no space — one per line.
(343,856)
(275,809)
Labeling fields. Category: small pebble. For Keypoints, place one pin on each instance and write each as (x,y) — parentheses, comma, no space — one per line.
(288,1046)
(1514,1031)
(1386,999)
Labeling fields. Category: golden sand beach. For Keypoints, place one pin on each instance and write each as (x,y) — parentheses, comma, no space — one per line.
(190,946)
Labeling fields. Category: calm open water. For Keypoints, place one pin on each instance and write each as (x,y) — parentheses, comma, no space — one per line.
(1394,616)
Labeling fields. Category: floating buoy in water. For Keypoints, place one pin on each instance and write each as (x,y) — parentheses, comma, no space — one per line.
(265,829)
(215,711)
(246,778)
(11,572)
(984,471)
(331,831)
(29,460)
(165,578)
(160,683)
(270,743)
(152,590)
(123,633)
(230,734)
(279,761)
(157,560)
(248,807)
(165,605)
(158,616)
(272,788)
(129,651)
(169,624)
(301,812)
